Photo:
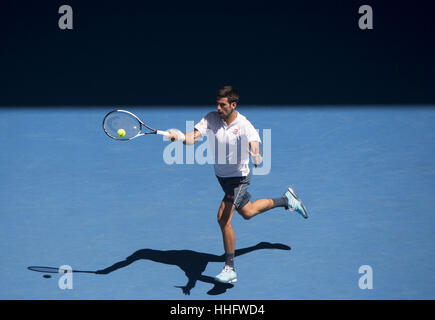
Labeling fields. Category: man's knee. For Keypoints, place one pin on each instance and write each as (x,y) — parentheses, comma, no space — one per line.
(246,216)
(224,223)
(224,215)
(245,212)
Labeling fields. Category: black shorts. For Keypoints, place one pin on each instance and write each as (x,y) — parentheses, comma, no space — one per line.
(236,190)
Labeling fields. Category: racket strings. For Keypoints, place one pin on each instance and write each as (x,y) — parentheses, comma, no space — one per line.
(117,120)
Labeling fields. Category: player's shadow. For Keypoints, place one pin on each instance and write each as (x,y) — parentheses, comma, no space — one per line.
(191,262)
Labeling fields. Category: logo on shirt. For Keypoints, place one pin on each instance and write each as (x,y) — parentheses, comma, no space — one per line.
(236,131)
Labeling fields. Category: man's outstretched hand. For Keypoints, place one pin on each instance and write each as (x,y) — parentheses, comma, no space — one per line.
(175,135)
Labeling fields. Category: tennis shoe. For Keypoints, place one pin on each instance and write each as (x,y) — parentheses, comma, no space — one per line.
(294,203)
(227,275)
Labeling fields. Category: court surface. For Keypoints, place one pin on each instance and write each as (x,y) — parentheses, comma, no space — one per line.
(72,196)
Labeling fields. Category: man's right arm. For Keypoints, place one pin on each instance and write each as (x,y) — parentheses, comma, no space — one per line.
(192,137)
(200,130)
(187,138)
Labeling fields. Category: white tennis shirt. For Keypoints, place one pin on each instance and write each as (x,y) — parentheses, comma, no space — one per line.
(229,144)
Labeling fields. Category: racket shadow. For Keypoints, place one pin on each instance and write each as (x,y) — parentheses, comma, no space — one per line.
(193,264)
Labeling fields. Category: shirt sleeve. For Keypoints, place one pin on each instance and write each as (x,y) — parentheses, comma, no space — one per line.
(205,124)
(251,133)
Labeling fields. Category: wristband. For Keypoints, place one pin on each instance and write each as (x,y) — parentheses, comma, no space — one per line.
(260,158)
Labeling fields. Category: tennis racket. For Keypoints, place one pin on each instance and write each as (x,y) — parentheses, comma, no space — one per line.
(54,270)
(123,125)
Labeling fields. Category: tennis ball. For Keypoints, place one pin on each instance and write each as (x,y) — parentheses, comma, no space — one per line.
(121,133)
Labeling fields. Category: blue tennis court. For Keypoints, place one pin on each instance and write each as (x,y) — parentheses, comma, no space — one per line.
(72,196)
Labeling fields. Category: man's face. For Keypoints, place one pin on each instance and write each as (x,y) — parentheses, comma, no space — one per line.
(224,108)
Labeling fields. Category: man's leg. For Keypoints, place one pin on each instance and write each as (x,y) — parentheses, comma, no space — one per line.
(225,214)
(251,209)
(289,201)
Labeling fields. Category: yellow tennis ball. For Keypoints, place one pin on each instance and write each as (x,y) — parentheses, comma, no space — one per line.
(121,133)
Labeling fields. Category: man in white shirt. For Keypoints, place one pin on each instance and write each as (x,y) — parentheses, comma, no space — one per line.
(234,138)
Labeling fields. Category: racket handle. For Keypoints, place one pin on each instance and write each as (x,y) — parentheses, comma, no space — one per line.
(163,133)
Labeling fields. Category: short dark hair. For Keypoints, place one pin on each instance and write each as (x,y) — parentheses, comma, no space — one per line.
(228,92)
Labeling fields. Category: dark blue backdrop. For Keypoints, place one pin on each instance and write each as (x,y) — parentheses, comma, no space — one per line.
(179,52)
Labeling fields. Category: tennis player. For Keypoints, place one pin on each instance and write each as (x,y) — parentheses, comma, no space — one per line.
(229,131)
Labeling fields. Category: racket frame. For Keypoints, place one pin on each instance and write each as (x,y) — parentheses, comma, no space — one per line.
(141,125)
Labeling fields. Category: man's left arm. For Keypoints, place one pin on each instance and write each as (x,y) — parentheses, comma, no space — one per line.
(255,152)
(254,144)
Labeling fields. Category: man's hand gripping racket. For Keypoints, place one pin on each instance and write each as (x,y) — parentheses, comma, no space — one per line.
(175,135)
